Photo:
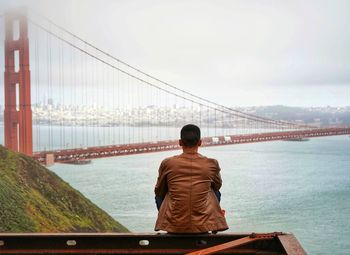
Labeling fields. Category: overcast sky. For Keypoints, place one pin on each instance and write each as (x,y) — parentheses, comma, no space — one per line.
(237,53)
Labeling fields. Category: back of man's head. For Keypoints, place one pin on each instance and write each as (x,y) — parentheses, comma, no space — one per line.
(190,135)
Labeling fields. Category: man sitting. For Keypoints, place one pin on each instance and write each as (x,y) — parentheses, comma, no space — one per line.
(185,189)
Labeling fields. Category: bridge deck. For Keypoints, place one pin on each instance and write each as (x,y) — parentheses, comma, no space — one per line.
(137,148)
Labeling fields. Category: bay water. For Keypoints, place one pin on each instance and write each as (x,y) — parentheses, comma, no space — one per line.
(298,187)
(56,137)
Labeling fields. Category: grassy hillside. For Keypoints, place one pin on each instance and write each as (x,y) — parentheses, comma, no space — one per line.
(34,199)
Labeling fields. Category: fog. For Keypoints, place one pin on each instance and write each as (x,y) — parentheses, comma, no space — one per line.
(237,53)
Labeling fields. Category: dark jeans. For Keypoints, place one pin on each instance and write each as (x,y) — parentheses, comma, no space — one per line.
(159,200)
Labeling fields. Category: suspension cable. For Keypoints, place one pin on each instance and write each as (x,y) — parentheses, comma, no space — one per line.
(224,110)
(163,82)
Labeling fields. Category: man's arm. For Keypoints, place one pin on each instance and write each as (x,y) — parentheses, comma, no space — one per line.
(217,181)
(161,187)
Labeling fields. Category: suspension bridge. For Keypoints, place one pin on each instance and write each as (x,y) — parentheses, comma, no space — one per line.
(66,99)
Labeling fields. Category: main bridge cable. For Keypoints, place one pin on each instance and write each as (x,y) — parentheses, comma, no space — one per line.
(167,84)
(252,117)
(238,113)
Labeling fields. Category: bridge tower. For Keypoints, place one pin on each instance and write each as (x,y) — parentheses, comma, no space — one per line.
(17,112)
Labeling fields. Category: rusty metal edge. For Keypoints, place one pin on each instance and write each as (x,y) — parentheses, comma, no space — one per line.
(133,234)
(291,245)
(109,251)
(288,242)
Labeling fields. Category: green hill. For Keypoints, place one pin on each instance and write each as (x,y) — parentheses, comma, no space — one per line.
(34,199)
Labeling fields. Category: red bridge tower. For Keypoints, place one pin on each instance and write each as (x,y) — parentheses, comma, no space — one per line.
(18,112)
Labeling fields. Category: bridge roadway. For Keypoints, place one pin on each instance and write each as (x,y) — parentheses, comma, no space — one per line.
(70,155)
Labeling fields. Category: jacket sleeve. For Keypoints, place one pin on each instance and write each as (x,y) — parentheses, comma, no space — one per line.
(217,181)
(161,187)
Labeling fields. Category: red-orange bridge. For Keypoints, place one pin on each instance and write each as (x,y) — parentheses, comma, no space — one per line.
(71,155)
(66,100)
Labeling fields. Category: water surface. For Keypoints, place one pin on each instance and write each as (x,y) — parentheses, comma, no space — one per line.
(299,187)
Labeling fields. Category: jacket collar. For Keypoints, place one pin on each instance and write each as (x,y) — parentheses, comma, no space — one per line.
(190,155)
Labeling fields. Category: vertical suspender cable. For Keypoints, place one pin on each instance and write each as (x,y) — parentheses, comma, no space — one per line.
(50,101)
(63,97)
(81,84)
(215,122)
(131,125)
(37,74)
(104,99)
(77,102)
(71,105)
(113,106)
(108,120)
(200,116)
(99,93)
(208,123)
(138,113)
(118,103)
(87,101)
(93,101)
(59,94)
(224,124)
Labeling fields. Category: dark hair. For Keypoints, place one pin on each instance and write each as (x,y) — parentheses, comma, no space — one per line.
(190,135)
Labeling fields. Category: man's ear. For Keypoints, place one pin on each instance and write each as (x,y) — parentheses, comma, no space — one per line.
(199,143)
(180,143)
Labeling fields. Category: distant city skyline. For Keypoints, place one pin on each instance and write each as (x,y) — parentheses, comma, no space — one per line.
(151,115)
(236,53)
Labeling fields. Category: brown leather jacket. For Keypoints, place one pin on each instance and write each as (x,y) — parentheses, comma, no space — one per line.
(187,183)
